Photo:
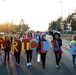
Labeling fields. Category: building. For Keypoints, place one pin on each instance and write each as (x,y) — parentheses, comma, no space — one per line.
(68,27)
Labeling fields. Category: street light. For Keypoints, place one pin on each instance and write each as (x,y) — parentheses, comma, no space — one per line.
(61,9)
(61,23)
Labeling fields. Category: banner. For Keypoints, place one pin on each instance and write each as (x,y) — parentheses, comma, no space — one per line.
(44,46)
(1,43)
(33,44)
(73,48)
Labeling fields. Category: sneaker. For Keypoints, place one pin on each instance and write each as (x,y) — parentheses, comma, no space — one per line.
(42,66)
(27,64)
(30,63)
(57,66)
(17,64)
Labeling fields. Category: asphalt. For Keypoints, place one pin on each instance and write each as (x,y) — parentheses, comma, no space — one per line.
(66,67)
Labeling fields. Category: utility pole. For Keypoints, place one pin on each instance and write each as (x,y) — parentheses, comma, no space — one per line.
(61,23)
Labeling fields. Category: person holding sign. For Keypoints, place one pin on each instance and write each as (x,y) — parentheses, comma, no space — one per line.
(7,48)
(17,46)
(56,45)
(73,49)
(28,50)
(2,43)
(43,48)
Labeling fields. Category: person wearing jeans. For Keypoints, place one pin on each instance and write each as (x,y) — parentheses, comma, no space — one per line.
(73,59)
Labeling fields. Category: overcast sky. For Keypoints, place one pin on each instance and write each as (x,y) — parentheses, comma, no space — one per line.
(36,13)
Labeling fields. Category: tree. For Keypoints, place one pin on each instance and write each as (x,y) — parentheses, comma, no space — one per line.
(11,26)
(65,24)
(69,18)
(55,24)
(72,20)
(73,25)
(23,26)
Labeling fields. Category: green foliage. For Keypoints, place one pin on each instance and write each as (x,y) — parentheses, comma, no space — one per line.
(11,27)
(73,25)
(71,19)
(55,24)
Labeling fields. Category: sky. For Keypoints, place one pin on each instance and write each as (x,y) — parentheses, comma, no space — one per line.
(36,13)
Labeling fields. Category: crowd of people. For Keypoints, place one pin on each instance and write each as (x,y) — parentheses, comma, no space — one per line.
(56,42)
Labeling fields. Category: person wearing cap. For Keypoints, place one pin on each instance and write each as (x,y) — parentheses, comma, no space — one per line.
(18,53)
(42,54)
(56,44)
(73,56)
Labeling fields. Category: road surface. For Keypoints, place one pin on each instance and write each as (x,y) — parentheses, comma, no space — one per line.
(66,67)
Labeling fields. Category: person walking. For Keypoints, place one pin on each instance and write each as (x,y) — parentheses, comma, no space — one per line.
(73,55)
(29,52)
(7,48)
(2,43)
(17,52)
(42,54)
(57,44)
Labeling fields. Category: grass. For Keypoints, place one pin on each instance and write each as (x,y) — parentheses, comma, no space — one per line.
(67,36)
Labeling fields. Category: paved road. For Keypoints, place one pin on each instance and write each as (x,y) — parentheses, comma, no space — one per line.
(65,68)
(66,57)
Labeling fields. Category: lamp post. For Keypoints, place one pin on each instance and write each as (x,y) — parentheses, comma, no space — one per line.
(61,9)
(61,23)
